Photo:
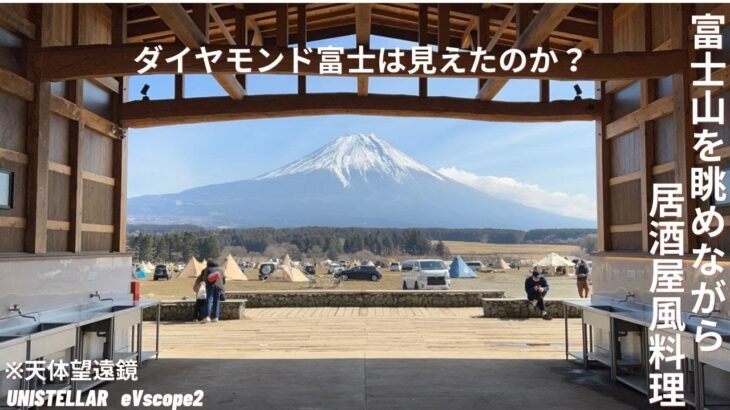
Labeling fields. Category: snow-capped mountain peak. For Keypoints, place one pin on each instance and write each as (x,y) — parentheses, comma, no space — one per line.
(356,154)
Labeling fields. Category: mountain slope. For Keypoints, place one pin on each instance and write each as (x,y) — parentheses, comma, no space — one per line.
(357,180)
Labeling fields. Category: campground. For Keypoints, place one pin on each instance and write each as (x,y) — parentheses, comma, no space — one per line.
(510,281)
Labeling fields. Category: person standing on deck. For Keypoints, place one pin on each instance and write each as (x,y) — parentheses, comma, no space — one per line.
(214,280)
(536,287)
(581,275)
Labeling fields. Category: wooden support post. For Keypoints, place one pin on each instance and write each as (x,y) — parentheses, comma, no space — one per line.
(683,128)
(38,130)
(302,43)
(646,129)
(483,34)
(179,86)
(523,16)
(444,26)
(119,162)
(241,40)
(282,25)
(362,37)
(76,152)
(603,154)
(422,41)
(545,84)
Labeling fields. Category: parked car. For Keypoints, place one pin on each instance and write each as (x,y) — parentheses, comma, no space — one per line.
(161,272)
(334,268)
(266,269)
(395,267)
(475,265)
(309,268)
(360,272)
(425,274)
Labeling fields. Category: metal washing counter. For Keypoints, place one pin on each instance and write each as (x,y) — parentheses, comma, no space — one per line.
(616,334)
(46,333)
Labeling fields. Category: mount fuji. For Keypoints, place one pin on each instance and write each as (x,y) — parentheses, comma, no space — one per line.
(355,181)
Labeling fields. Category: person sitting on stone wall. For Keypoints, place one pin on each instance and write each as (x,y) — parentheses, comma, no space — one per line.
(536,287)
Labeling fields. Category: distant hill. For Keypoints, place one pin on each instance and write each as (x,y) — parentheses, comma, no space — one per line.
(355,181)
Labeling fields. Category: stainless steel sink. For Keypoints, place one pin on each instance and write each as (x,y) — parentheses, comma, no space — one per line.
(32,329)
(609,308)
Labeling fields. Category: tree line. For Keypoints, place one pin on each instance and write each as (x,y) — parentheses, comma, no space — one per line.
(169,244)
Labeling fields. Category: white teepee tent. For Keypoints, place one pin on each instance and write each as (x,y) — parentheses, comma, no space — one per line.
(192,269)
(231,269)
(553,263)
(285,272)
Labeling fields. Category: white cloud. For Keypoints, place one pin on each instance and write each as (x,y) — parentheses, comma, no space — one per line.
(579,206)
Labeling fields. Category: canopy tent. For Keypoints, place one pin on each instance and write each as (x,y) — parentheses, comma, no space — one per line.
(231,269)
(192,269)
(555,264)
(369,263)
(459,269)
(287,273)
(501,264)
(325,262)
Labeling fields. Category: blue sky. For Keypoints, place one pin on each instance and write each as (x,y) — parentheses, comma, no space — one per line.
(555,161)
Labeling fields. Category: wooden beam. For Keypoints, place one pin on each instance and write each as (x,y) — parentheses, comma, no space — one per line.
(422,41)
(16,85)
(37,144)
(652,111)
(14,22)
(646,131)
(282,25)
(363,18)
(501,29)
(61,63)
(175,16)
(222,27)
(539,29)
(302,43)
(241,39)
(169,112)
(603,147)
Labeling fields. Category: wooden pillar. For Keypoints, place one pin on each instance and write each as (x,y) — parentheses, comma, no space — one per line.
(282,25)
(603,154)
(179,86)
(119,163)
(241,40)
(444,26)
(422,41)
(683,128)
(201,17)
(38,129)
(362,37)
(76,151)
(646,130)
(302,43)
(545,84)
(483,36)
(523,16)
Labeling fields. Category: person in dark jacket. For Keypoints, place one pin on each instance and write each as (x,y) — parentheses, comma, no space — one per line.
(214,280)
(536,287)
(581,275)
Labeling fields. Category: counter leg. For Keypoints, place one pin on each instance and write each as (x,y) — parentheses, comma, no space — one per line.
(565,318)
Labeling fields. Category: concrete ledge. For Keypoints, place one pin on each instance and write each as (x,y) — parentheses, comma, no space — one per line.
(522,309)
(184,311)
(364,298)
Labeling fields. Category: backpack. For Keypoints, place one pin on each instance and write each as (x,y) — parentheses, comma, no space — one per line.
(213,276)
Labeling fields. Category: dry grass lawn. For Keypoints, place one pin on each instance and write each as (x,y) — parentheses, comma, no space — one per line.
(518,251)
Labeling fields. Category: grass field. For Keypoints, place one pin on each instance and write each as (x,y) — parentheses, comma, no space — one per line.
(511,282)
(518,251)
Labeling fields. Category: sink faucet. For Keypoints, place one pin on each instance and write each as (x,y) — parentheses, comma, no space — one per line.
(16,308)
(626,299)
(97,295)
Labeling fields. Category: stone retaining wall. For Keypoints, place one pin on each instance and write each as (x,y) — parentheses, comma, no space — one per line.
(421,298)
(522,309)
(184,311)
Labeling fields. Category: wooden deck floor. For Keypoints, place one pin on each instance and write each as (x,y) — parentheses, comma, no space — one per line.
(326,333)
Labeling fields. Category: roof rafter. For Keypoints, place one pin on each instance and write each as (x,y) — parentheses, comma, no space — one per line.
(175,16)
(539,29)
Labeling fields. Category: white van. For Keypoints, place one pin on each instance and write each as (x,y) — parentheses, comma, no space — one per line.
(425,274)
